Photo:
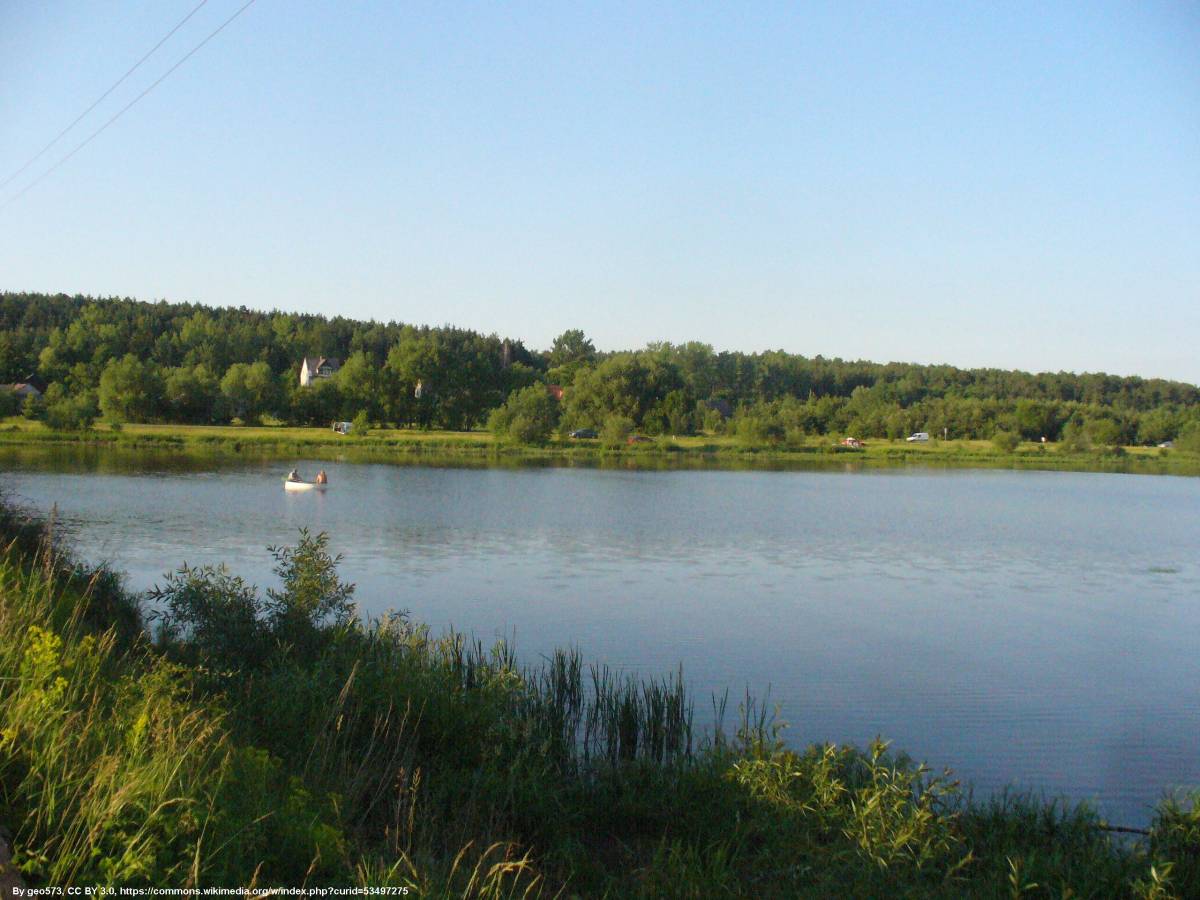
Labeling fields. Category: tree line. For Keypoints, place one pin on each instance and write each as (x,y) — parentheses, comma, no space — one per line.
(130,361)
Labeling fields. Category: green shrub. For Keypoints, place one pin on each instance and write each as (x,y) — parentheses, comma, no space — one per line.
(1175,839)
(361,426)
(893,817)
(1075,439)
(1189,438)
(528,416)
(313,597)
(212,617)
(32,408)
(275,827)
(70,413)
(1005,441)
(616,431)
(756,430)
(1104,431)
(712,421)
(750,430)
(527,430)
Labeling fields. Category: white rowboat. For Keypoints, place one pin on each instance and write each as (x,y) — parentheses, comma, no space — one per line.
(303,486)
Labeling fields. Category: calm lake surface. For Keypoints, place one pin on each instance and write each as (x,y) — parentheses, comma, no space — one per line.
(1027,629)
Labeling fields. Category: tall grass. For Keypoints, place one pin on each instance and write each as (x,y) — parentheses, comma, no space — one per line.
(269,748)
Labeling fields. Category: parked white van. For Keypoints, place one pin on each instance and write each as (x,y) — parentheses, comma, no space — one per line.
(918,436)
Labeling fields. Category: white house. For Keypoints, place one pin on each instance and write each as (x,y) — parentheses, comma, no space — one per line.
(314,367)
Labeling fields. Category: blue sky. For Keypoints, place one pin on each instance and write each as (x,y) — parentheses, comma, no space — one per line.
(1011,185)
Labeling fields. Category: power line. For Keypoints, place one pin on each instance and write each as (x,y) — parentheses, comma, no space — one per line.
(91,137)
(29,162)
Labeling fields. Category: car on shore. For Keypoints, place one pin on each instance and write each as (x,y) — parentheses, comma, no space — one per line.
(918,437)
(583,433)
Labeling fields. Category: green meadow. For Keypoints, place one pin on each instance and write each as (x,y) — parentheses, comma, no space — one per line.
(706,450)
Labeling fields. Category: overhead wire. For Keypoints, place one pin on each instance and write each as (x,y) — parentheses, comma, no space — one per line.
(116,84)
(124,109)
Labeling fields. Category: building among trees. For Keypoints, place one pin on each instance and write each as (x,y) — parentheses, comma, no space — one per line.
(32,386)
(314,367)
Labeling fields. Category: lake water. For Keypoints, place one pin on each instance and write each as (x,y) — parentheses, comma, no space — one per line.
(1027,629)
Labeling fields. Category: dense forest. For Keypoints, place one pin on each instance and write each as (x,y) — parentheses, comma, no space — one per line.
(128,361)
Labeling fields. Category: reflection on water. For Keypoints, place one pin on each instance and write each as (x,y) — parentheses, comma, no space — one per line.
(1024,628)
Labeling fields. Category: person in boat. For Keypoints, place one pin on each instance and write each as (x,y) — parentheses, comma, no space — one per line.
(293,475)
(322,478)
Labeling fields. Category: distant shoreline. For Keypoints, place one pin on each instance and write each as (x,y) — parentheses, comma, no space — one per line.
(699,452)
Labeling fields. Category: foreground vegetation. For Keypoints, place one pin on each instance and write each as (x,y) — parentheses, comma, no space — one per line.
(702,450)
(275,739)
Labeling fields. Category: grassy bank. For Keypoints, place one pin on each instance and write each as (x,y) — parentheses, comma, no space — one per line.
(702,451)
(273,739)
